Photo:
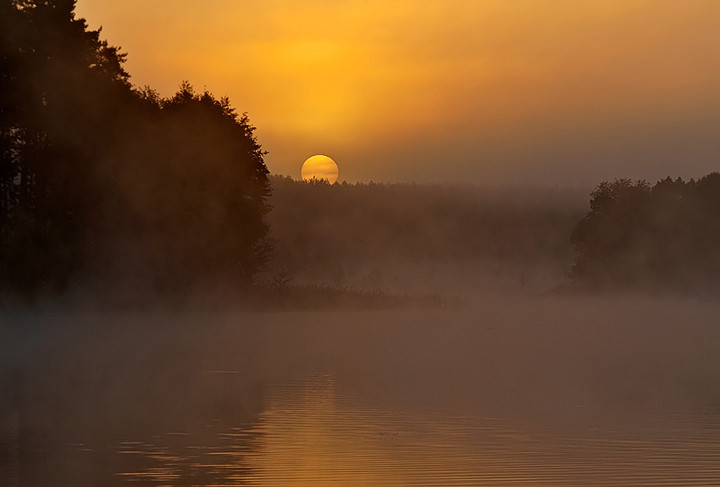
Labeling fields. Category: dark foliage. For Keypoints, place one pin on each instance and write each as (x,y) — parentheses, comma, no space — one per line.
(420,237)
(638,236)
(103,183)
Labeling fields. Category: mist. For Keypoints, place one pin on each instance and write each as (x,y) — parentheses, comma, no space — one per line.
(396,321)
(151,395)
(173,314)
(423,238)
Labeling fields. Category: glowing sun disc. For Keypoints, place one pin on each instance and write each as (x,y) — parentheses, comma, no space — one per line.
(319,167)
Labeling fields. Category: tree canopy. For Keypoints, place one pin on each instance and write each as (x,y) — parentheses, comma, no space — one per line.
(662,236)
(104,182)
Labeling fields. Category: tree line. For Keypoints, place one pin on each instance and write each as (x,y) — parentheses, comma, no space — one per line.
(113,187)
(401,235)
(635,236)
(102,182)
(665,236)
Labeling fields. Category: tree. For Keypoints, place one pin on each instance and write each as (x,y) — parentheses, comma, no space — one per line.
(96,176)
(661,237)
(195,190)
(57,80)
(604,238)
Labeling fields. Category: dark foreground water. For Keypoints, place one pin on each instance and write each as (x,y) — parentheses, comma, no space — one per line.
(532,391)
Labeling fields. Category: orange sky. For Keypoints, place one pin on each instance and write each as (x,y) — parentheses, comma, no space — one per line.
(526,91)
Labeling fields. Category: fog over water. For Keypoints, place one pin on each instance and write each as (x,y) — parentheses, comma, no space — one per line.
(503,390)
(171,314)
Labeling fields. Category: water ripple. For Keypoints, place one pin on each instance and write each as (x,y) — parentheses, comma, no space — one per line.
(311,434)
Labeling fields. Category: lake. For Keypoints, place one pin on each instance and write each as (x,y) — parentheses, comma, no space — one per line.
(493,392)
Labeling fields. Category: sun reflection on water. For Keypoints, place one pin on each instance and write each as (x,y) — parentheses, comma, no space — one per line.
(311,433)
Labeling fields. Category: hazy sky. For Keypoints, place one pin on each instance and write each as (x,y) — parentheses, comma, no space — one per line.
(527,91)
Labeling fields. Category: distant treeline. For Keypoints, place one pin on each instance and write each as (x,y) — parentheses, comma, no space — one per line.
(116,189)
(106,184)
(662,237)
(368,234)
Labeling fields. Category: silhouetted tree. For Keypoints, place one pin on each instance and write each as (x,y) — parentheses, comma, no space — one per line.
(636,236)
(56,80)
(603,239)
(99,179)
(198,191)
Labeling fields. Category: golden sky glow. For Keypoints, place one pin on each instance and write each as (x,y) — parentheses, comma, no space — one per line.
(498,90)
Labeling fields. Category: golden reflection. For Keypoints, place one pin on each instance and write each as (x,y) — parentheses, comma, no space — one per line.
(313,434)
(308,437)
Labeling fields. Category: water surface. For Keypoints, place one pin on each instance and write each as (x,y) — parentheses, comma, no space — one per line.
(526,392)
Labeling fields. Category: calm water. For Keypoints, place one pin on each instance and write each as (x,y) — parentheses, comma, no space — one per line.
(309,434)
(487,396)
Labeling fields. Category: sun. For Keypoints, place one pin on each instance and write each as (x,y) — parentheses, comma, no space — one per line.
(319,167)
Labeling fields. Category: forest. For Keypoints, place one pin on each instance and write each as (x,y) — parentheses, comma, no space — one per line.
(110,186)
(423,238)
(642,237)
(114,189)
